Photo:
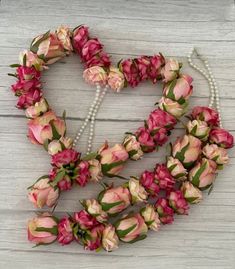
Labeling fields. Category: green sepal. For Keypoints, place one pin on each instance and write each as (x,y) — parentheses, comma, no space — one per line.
(180,155)
(108,167)
(140,237)
(12,75)
(196,178)
(122,234)
(90,156)
(34,48)
(14,65)
(55,134)
(58,178)
(106,206)
(53,230)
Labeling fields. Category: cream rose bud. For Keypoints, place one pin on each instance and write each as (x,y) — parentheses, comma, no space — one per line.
(216,153)
(30,59)
(94,208)
(95,170)
(64,35)
(116,79)
(37,109)
(173,107)
(191,193)
(110,239)
(176,169)
(138,193)
(198,128)
(151,217)
(170,70)
(95,75)
(132,147)
(54,147)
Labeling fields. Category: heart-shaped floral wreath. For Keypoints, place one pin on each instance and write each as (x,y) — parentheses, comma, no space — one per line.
(191,168)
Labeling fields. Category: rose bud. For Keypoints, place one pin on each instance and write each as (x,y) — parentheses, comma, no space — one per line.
(147,180)
(146,140)
(30,59)
(191,193)
(160,119)
(95,170)
(65,231)
(48,47)
(176,169)
(154,69)
(93,239)
(166,213)
(54,147)
(138,193)
(115,200)
(80,37)
(216,153)
(64,35)
(160,137)
(112,159)
(42,229)
(221,137)
(101,59)
(27,73)
(187,150)
(64,184)
(93,207)
(45,127)
(42,193)
(163,177)
(151,217)
(116,79)
(178,202)
(132,147)
(37,109)
(131,228)
(199,129)
(85,220)
(179,89)
(95,75)
(203,173)
(173,107)
(24,87)
(65,157)
(83,173)
(110,239)
(130,71)
(90,49)
(143,64)
(204,113)
(28,99)
(170,70)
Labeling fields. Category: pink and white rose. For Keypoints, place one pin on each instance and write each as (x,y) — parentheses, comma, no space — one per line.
(199,129)
(95,75)
(137,191)
(170,70)
(176,169)
(132,147)
(110,239)
(151,217)
(30,59)
(64,35)
(191,193)
(95,170)
(37,109)
(173,107)
(94,208)
(216,153)
(116,79)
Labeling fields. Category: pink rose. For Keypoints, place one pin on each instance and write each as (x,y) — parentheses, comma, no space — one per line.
(65,231)
(133,147)
(30,59)
(28,99)
(166,213)
(163,177)
(199,129)
(187,149)
(95,75)
(173,107)
(24,86)
(151,217)
(80,37)
(112,159)
(90,49)
(131,228)
(146,140)
(65,157)
(160,137)
(115,200)
(27,73)
(147,180)
(83,173)
(202,175)
(178,202)
(37,108)
(101,59)
(191,193)
(143,64)
(42,193)
(110,239)
(93,240)
(170,70)
(95,170)
(221,137)
(176,169)
(204,113)
(64,36)
(45,127)
(116,80)
(131,72)
(42,229)
(137,191)
(216,153)
(154,71)
(85,220)
(64,184)
(94,208)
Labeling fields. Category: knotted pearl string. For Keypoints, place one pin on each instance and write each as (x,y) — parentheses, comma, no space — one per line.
(214,91)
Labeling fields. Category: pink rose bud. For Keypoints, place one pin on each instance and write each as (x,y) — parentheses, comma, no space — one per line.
(93,207)
(178,202)
(110,239)
(132,147)
(176,169)
(187,150)
(100,59)
(83,173)
(191,193)
(216,153)
(170,70)
(64,35)
(27,73)
(131,72)
(143,64)
(131,228)
(37,109)
(65,157)
(147,180)
(30,59)
(42,193)
(173,107)
(199,129)
(65,231)
(163,177)
(95,75)
(151,217)
(95,170)
(202,175)
(221,137)
(166,213)
(64,183)
(204,113)
(80,37)
(137,191)
(179,89)
(28,99)
(116,79)
(23,87)
(46,127)
(85,220)
(154,70)
(146,140)
(42,229)
(112,159)
(90,49)
(115,200)
(160,119)
(94,237)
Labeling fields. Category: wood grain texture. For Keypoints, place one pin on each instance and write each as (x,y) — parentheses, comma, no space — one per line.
(205,238)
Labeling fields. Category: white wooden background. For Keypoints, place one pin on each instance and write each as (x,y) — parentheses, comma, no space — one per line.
(205,238)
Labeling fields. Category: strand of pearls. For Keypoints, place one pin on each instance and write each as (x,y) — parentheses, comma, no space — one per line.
(207,73)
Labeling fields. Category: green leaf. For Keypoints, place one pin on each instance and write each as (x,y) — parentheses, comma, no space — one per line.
(14,65)
(24,60)
(196,178)
(12,75)
(106,206)
(108,167)
(123,233)
(172,167)
(45,144)
(55,134)
(180,155)
(90,156)
(140,237)
(58,178)
(181,101)
(170,93)
(53,230)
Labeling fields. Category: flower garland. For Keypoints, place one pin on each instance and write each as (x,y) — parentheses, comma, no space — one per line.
(45,128)
(191,168)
